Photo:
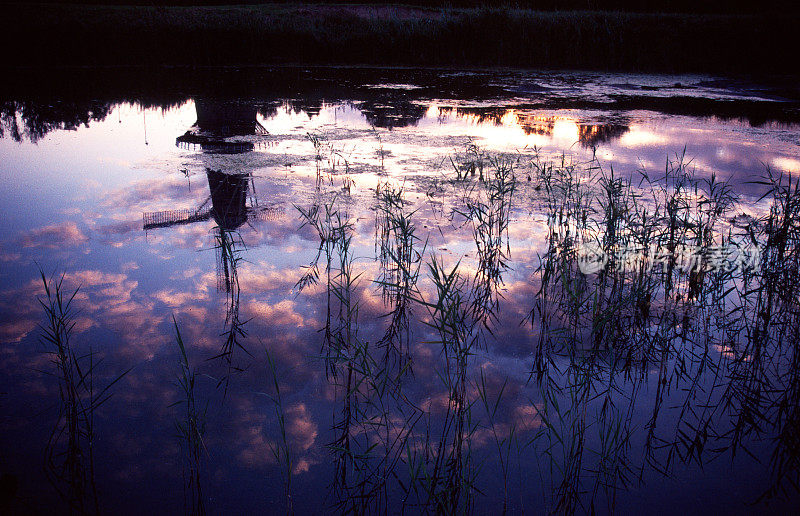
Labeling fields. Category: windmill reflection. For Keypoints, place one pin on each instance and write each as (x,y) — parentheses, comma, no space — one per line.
(217,122)
(229,209)
(218,130)
(231,203)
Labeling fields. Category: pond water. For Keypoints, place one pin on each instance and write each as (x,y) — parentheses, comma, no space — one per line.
(380,282)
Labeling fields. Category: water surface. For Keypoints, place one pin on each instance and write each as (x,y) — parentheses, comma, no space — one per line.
(292,223)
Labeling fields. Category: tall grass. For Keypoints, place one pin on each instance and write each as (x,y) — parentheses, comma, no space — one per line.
(227,245)
(191,430)
(616,314)
(400,257)
(489,213)
(718,333)
(281,450)
(716,343)
(700,324)
(69,456)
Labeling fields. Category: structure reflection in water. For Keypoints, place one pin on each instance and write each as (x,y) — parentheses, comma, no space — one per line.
(218,124)
(440,402)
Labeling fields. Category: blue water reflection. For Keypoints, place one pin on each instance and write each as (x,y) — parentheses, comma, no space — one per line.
(196,211)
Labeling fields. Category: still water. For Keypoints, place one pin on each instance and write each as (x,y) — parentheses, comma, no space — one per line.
(373,275)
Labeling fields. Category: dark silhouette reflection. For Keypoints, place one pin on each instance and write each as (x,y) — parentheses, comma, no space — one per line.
(391,113)
(32,120)
(228,196)
(311,106)
(33,104)
(481,115)
(590,135)
(382,110)
(540,127)
(218,120)
(231,204)
(229,209)
(619,376)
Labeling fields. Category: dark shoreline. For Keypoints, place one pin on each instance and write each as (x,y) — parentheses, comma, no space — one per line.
(62,97)
(46,35)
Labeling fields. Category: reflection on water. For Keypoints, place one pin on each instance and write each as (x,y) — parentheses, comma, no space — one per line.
(397,314)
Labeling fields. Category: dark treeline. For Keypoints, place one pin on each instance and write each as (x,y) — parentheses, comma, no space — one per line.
(639,6)
(245,35)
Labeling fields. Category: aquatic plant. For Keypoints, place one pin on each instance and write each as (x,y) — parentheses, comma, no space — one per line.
(400,260)
(281,450)
(191,429)
(69,455)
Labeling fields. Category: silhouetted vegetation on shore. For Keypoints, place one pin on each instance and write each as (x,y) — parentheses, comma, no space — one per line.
(396,35)
(635,6)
